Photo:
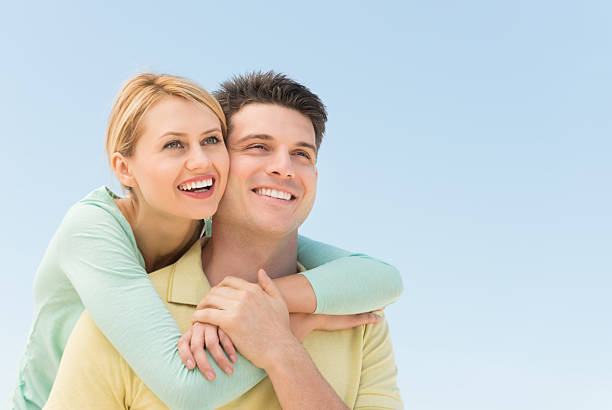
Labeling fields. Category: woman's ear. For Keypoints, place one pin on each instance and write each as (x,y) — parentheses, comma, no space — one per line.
(123,171)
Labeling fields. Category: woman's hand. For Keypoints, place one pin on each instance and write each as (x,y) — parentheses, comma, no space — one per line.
(304,323)
(202,336)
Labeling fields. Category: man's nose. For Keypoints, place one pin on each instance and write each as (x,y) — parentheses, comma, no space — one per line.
(197,159)
(280,164)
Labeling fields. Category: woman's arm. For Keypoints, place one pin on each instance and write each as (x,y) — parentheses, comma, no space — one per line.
(99,255)
(343,282)
(338,283)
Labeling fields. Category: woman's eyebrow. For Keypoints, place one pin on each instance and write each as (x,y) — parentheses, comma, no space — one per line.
(182,134)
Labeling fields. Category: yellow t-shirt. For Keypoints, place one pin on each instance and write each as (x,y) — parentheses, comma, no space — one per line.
(358,363)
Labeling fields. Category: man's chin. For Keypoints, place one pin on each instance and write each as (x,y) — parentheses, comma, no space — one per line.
(274,226)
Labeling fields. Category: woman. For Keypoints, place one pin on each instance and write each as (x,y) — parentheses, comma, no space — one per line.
(163,132)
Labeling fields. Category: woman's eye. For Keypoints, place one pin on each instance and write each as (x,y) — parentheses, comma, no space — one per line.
(173,144)
(210,140)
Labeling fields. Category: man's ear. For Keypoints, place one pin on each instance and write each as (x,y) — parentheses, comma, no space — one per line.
(122,170)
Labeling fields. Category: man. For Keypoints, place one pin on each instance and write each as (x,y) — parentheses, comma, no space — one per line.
(275,128)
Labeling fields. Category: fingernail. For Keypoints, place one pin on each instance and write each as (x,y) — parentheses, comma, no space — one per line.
(189,364)
(375,317)
(233,358)
(209,375)
(229,370)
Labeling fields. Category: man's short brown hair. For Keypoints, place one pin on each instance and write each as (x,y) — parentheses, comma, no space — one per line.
(271,88)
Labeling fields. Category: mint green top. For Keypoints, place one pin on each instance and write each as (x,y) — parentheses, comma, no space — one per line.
(93,263)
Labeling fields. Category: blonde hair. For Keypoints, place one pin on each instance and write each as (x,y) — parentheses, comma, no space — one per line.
(141,93)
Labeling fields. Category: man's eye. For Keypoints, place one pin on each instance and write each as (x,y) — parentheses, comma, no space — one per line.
(257,146)
(173,144)
(210,140)
(303,154)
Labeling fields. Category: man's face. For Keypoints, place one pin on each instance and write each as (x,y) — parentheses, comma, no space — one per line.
(273,178)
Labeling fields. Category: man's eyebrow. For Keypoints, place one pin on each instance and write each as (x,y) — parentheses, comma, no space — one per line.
(182,134)
(307,145)
(254,137)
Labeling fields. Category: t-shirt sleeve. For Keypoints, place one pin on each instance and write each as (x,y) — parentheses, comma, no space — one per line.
(378,383)
(346,283)
(106,270)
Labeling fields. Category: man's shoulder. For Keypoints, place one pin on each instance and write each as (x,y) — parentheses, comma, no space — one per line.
(376,334)
(380,328)
(89,369)
(87,336)
(378,383)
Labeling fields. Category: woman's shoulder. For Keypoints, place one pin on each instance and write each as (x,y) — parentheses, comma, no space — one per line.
(101,197)
(98,213)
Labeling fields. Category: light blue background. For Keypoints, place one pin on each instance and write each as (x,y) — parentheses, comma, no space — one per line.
(468,144)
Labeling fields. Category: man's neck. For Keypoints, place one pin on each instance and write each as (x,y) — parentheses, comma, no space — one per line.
(236,252)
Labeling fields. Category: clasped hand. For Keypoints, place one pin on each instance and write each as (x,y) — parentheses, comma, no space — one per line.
(250,316)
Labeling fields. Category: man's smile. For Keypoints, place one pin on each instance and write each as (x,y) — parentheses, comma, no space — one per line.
(274,193)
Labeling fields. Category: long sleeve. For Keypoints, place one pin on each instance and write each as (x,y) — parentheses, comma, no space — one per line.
(100,258)
(345,282)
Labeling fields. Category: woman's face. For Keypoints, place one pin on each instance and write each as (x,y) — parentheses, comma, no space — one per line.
(180,163)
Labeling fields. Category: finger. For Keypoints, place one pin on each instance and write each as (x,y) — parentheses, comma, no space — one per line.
(213,316)
(372,318)
(197,349)
(218,302)
(340,322)
(362,319)
(225,292)
(184,348)
(268,285)
(228,345)
(214,348)
(236,283)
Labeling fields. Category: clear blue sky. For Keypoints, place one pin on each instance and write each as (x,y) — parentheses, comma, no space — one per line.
(469,144)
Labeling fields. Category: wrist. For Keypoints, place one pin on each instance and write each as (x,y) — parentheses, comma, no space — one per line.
(284,356)
(315,321)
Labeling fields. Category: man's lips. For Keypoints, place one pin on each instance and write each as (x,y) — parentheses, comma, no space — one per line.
(275,192)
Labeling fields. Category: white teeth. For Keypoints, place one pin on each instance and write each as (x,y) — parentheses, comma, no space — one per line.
(274,193)
(203,183)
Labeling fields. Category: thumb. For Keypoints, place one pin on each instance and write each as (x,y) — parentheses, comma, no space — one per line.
(267,284)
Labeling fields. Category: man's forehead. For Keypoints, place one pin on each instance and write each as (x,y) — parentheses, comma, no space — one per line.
(271,122)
